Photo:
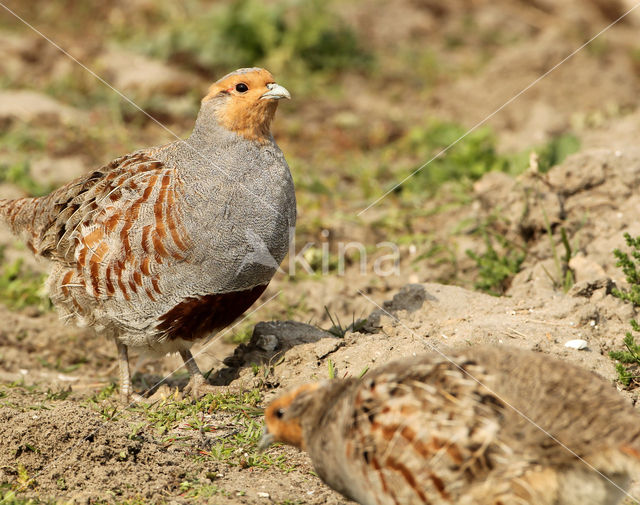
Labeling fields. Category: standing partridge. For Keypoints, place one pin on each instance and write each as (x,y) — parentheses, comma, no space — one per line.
(166,245)
(432,431)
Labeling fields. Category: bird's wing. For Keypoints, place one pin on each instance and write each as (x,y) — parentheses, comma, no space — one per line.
(424,433)
(115,226)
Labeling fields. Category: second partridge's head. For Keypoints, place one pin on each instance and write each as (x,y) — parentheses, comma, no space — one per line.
(245,102)
(283,417)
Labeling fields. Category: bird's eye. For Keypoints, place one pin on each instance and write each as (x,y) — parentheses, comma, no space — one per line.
(242,87)
(280,413)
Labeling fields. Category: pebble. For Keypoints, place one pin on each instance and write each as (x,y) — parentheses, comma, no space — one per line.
(577,344)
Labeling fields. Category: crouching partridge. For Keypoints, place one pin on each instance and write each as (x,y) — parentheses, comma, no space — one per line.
(493,426)
(164,246)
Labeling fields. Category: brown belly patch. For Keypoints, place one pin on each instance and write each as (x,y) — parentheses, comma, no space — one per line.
(197,317)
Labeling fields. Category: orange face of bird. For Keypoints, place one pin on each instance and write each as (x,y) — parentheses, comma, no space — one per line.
(248,99)
(282,417)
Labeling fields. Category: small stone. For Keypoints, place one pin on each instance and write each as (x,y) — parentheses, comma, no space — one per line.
(577,344)
(262,494)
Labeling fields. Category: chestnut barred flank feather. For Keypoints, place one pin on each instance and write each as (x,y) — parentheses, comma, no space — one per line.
(491,426)
(152,248)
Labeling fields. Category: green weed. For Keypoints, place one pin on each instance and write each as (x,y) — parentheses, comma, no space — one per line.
(277,34)
(564,277)
(103,394)
(332,369)
(629,266)
(62,394)
(469,155)
(20,174)
(468,160)
(198,489)
(241,335)
(628,360)
(556,150)
(57,364)
(11,498)
(495,269)
(21,287)
(22,138)
(170,413)
(181,420)
(338,330)
(23,479)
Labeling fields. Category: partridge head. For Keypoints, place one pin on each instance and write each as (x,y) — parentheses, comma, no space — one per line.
(245,102)
(167,245)
(487,425)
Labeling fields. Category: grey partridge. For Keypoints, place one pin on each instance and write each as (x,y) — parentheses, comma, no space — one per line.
(167,245)
(489,426)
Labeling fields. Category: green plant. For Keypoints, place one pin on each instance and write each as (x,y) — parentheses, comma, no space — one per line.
(338,330)
(62,394)
(21,287)
(23,479)
(20,175)
(469,159)
(556,150)
(468,156)
(495,269)
(103,394)
(629,266)
(11,498)
(630,356)
(629,359)
(198,489)
(332,369)
(242,333)
(278,35)
(564,277)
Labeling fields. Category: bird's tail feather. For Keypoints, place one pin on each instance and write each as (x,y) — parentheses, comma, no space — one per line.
(21,215)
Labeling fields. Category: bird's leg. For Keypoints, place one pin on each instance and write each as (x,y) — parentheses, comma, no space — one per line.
(126,388)
(198,385)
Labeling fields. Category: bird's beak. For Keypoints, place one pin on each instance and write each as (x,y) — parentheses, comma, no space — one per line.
(267,438)
(276,92)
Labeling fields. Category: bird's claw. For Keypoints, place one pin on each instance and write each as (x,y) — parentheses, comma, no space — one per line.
(198,387)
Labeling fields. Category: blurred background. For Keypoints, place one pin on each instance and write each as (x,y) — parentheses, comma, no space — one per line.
(379,87)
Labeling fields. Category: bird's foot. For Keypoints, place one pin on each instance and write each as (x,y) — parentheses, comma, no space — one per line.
(198,387)
(128,397)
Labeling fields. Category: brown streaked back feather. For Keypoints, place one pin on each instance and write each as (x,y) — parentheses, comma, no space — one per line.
(92,226)
(44,222)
